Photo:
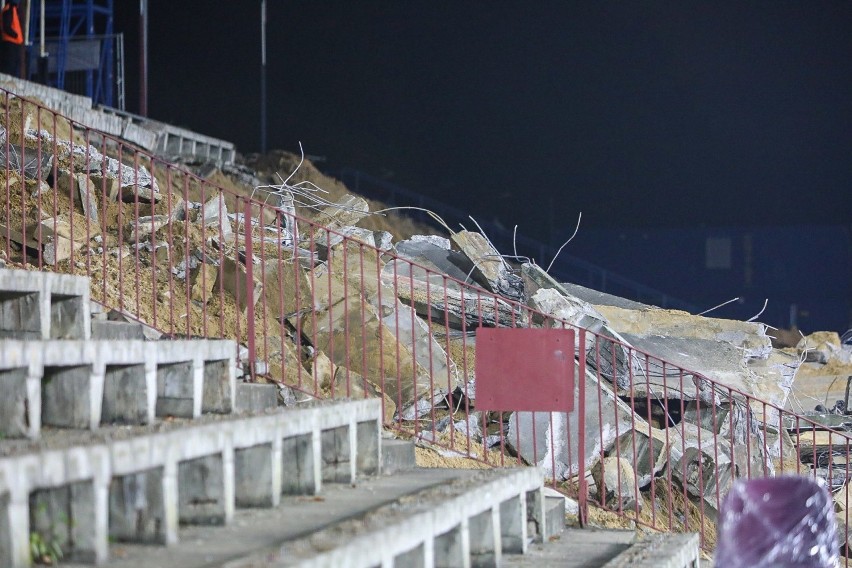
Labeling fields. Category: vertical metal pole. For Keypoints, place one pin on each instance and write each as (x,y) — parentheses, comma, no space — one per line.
(250,327)
(580,408)
(42,50)
(143,57)
(263,76)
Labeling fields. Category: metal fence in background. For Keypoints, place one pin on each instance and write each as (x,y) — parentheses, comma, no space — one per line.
(334,316)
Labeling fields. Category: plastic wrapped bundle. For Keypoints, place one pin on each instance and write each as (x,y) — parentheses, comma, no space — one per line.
(778,522)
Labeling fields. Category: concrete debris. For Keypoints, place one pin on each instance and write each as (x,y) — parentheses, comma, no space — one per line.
(86,158)
(345,213)
(347,320)
(214,213)
(424,406)
(615,484)
(144,226)
(470,426)
(34,164)
(233,278)
(751,337)
(491,270)
(609,357)
(550,440)
(821,347)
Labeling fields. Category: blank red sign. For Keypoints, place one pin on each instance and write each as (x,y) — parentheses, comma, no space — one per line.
(525,369)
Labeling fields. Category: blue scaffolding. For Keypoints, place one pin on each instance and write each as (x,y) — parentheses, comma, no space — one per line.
(81,48)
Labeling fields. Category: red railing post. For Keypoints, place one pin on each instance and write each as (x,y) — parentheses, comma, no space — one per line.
(250,327)
(582,488)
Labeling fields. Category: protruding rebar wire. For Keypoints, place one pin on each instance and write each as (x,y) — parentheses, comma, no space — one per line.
(577,228)
(757,315)
(719,306)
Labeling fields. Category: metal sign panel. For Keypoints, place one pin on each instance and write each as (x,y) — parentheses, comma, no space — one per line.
(525,369)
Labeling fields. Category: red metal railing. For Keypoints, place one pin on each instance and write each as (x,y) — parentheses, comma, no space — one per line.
(333,315)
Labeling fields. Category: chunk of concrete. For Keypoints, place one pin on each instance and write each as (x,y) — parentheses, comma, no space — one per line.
(551,440)
(233,279)
(491,269)
(214,213)
(605,349)
(615,484)
(749,337)
(347,211)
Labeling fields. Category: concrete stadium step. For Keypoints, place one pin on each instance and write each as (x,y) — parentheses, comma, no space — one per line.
(472,518)
(87,384)
(608,548)
(660,551)
(81,489)
(44,305)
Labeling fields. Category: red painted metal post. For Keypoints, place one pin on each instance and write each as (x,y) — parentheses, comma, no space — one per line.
(250,331)
(580,408)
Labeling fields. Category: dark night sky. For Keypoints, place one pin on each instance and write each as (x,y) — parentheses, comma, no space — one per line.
(634,113)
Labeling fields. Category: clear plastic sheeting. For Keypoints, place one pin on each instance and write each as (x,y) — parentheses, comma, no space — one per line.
(777,522)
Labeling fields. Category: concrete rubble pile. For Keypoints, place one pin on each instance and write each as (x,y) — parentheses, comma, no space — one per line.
(366,316)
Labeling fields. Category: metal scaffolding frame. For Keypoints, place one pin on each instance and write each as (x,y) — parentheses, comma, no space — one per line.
(82,53)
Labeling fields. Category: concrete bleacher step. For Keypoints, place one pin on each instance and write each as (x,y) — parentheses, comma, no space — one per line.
(137,484)
(611,548)
(87,384)
(44,305)
(419,517)
(663,550)
(397,455)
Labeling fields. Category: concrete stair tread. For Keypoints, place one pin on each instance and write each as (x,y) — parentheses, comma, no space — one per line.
(254,530)
(52,438)
(661,550)
(575,548)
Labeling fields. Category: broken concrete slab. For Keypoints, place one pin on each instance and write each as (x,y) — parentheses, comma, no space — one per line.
(750,337)
(374,239)
(550,440)
(401,319)
(647,449)
(705,475)
(53,243)
(214,213)
(33,164)
(673,362)
(88,197)
(203,280)
(233,279)
(464,308)
(349,384)
(433,255)
(350,331)
(285,288)
(819,347)
(597,298)
(615,484)
(490,269)
(144,226)
(80,187)
(605,350)
(347,211)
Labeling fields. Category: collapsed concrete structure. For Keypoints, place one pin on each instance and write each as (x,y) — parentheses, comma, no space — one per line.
(341,310)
